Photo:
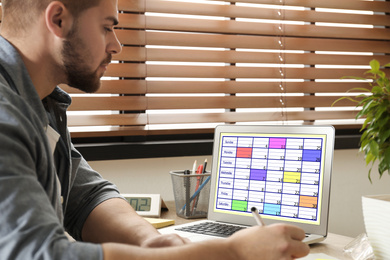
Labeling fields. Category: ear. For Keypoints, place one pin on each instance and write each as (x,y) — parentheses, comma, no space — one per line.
(58,19)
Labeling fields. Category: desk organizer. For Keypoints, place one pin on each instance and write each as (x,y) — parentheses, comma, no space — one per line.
(191,192)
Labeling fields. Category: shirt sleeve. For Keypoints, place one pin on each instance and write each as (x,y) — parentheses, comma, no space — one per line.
(29,226)
(88,190)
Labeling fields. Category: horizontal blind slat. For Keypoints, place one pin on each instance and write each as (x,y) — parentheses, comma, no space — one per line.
(250,12)
(229,117)
(138,71)
(135,21)
(377,6)
(231,87)
(228,102)
(132,37)
(226,56)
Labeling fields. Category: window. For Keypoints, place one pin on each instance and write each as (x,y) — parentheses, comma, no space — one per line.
(187,66)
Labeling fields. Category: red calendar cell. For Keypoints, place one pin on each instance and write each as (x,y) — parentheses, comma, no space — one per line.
(244,152)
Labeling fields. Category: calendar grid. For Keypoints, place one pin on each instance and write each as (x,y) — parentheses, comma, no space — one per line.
(278,175)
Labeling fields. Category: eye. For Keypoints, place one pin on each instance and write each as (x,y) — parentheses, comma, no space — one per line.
(108,29)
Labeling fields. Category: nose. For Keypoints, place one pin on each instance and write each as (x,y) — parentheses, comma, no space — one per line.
(114,46)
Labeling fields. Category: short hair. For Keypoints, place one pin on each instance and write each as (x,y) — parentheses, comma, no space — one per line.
(18,14)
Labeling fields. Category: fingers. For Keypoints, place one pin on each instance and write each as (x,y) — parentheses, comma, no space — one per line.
(294,237)
(296,233)
(299,249)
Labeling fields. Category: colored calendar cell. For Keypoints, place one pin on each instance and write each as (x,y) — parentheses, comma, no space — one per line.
(272,209)
(239,205)
(311,155)
(244,152)
(277,143)
(308,202)
(293,177)
(260,175)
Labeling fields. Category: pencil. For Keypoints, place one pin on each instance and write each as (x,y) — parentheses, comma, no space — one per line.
(257,216)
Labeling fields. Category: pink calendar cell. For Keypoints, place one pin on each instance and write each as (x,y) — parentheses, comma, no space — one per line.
(277,143)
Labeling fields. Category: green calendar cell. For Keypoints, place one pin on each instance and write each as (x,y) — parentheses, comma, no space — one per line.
(239,205)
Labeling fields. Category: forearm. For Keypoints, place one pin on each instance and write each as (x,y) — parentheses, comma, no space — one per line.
(116,221)
(213,249)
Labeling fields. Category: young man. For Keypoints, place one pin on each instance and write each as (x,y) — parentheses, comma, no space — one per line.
(46,187)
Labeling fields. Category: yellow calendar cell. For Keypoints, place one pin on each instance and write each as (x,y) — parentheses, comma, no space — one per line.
(292,177)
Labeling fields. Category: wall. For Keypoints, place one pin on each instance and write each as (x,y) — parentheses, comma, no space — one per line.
(349,183)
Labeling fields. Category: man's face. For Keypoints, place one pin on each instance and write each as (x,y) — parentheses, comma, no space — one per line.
(89,46)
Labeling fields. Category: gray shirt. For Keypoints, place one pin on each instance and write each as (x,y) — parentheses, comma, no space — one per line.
(46,186)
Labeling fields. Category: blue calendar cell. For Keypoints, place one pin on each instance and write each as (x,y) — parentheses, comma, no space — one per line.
(272,209)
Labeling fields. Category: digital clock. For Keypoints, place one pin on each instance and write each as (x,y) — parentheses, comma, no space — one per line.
(148,205)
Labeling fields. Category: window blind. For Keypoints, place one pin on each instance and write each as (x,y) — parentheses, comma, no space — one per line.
(187,66)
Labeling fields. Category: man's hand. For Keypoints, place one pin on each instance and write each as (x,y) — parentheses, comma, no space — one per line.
(276,241)
(165,240)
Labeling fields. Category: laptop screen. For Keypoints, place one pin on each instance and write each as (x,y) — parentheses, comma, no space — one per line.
(283,171)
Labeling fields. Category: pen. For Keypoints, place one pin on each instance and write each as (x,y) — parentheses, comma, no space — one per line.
(198,171)
(187,192)
(197,192)
(194,167)
(257,216)
(200,179)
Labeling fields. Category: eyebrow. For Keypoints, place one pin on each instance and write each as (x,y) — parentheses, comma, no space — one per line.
(113,19)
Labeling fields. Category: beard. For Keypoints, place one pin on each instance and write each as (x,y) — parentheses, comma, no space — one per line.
(77,72)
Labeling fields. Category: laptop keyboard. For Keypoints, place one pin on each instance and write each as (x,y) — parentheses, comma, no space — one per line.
(212,229)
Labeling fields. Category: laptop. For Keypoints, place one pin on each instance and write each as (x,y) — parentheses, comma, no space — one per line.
(283,171)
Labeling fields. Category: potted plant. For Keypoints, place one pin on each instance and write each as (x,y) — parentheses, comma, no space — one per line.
(375,143)
(375,138)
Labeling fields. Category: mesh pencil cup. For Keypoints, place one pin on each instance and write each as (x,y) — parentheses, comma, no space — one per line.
(191,192)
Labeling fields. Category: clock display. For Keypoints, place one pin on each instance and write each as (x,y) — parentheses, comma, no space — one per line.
(140,204)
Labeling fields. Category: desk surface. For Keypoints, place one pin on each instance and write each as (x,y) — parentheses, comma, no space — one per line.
(332,246)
